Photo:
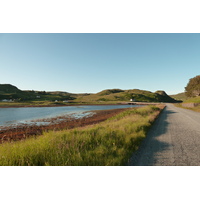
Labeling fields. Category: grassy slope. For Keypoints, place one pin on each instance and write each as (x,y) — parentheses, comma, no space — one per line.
(109,143)
(179,96)
(125,95)
(191,100)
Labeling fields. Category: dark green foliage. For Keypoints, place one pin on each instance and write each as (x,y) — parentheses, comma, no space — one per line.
(8,88)
(193,87)
(146,96)
(163,97)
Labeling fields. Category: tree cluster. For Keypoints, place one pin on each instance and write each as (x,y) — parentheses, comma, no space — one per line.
(193,87)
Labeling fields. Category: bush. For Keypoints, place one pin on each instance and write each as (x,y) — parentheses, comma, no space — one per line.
(193,87)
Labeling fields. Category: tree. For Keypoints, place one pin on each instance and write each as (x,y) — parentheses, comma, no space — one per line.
(193,87)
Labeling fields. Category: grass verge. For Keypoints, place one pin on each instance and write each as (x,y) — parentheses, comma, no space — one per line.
(109,143)
(197,108)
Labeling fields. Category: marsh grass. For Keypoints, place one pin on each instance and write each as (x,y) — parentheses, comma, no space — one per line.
(108,143)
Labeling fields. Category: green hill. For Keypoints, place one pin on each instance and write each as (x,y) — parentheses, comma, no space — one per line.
(8,88)
(179,96)
(125,95)
(8,91)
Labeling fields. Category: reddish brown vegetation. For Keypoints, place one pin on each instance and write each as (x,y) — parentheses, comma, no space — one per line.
(24,131)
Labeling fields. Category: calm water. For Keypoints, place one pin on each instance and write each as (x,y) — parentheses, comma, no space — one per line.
(10,116)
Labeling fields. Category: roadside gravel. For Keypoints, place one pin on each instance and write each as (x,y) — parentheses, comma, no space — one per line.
(174,140)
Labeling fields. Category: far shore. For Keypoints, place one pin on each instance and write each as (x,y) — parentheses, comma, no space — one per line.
(21,105)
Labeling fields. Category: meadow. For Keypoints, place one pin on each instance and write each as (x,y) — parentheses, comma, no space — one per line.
(109,143)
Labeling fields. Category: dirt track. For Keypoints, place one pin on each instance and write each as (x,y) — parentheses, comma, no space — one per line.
(174,140)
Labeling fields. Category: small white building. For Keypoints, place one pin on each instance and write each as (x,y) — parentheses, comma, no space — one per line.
(7,100)
(132,100)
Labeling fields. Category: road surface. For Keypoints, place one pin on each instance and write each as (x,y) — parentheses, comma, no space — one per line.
(174,140)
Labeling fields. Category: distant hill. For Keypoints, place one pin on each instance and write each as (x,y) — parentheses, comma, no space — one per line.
(8,88)
(125,95)
(180,96)
(8,91)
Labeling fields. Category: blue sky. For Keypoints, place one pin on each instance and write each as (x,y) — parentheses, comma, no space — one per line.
(93,62)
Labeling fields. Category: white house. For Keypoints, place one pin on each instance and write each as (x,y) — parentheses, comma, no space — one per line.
(6,100)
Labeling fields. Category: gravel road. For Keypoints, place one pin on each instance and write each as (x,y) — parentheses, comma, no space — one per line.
(174,140)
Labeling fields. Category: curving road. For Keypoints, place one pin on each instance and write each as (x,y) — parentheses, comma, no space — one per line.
(174,140)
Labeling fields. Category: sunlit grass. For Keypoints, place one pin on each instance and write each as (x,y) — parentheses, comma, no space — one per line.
(194,100)
(108,143)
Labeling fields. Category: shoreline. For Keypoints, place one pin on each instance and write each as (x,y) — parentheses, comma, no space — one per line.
(89,104)
(59,105)
(23,131)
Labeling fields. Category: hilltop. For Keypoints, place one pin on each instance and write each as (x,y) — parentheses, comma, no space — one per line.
(8,91)
(125,95)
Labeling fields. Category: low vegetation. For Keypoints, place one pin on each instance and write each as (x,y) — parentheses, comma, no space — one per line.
(108,143)
(193,100)
(191,103)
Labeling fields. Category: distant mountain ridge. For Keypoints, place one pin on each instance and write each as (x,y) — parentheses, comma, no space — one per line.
(8,91)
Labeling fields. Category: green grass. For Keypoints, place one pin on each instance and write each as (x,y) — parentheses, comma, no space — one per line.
(190,100)
(180,96)
(108,143)
(193,100)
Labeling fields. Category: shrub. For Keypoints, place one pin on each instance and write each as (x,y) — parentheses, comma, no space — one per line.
(193,87)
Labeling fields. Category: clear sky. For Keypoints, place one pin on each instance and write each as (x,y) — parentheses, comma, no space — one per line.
(89,63)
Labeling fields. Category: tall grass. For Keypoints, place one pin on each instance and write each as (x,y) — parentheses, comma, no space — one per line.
(108,143)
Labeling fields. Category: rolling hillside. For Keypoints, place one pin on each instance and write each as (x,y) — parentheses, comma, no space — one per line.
(179,96)
(125,95)
(8,91)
